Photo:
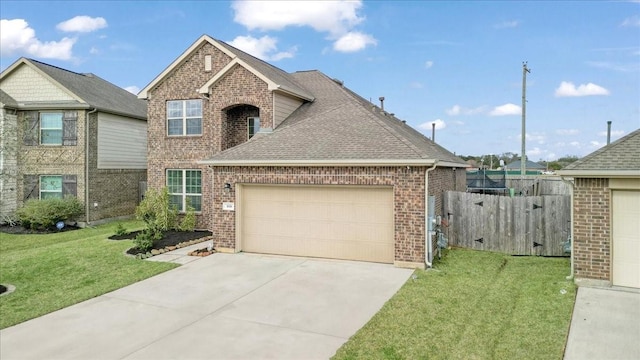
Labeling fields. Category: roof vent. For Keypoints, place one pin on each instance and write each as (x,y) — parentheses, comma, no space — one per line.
(381,98)
(338,81)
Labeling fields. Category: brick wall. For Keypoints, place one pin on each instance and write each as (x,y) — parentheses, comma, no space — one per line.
(592,229)
(408,185)
(223,113)
(9,168)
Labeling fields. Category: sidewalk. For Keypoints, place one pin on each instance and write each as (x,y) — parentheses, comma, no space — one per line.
(605,324)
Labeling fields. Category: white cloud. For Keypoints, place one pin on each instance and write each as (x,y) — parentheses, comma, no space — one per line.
(565,132)
(458,122)
(459,110)
(596,144)
(575,144)
(416,85)
(336,18)
(94,50)
(536,151)
(507,24)
(132,89)
(82,24)
(506,109)
(440,124)
(16,37)
(568,89)
(633,21)
(353,41)
(428,64)
(264,48)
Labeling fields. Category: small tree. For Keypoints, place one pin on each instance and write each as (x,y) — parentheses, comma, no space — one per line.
(156,211)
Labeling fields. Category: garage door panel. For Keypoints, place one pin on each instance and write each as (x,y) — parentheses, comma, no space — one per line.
(626,238)
(354,223)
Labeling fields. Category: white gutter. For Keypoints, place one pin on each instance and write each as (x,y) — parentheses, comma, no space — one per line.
(86,164)
(571,184)
(427,237)
(333,162)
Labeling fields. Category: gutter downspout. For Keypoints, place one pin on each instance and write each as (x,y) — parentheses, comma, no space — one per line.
(86,164)
(571,184)
(427,237)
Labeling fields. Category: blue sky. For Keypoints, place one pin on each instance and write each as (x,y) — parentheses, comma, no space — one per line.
(458,64)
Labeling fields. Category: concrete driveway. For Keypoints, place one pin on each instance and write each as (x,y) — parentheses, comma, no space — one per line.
(605,324)
(224,306)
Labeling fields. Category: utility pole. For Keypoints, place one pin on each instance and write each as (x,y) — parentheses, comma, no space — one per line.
(523,155)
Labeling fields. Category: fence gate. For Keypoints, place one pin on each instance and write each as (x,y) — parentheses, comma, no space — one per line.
(533,225)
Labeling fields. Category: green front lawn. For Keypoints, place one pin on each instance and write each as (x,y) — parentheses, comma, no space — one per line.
(473,305)
(53,271)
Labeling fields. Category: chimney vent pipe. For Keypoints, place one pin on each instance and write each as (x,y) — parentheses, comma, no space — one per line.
(381,98)
(608,132)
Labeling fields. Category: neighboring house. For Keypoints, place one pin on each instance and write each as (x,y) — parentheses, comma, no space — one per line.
(8,157)
(606,214)
(76,134)
(292,163)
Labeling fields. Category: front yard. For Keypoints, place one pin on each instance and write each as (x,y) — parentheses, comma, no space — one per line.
(53,271)
(473,305)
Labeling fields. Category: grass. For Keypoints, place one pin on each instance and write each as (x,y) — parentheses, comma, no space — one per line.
(473,305)
(53,271)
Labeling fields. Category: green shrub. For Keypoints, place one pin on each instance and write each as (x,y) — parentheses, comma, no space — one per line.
(46,213)
(156,212)
(120,230)
(188,222)
(144,240)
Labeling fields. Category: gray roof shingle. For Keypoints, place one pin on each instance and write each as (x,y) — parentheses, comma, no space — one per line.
(622,154)
(96,91)
(337,125)
(7,100)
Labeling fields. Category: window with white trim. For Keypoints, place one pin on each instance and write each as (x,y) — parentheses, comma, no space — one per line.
(51,128)
(184,117)
(253,126)
(185,189)
(50,186)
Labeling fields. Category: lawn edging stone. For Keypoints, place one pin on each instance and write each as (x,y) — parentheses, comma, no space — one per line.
(154,252)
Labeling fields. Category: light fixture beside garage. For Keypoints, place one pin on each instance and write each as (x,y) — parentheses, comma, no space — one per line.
(227,188)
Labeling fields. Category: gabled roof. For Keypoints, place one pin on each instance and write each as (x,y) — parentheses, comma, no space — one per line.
(7,101)
(621,158)
(276,78)
(88,88)
(338,127)
(529,165)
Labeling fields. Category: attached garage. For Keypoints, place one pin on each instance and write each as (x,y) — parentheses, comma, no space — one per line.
(625,218)
(339,222)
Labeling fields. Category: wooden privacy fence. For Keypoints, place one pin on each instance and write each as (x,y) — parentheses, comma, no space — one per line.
(532,225)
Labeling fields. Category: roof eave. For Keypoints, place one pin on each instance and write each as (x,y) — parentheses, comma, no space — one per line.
(600,173)
(333,162)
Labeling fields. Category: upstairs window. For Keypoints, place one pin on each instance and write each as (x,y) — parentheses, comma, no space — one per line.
(51,128)
(184,117)
(253,126)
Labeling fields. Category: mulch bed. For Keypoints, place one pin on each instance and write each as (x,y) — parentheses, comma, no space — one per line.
(171,240)
(3,289)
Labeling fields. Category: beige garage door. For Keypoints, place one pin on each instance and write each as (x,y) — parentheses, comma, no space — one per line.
(626,238)
(353,223)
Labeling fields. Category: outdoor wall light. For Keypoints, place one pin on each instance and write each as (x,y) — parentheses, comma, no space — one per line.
(227,188)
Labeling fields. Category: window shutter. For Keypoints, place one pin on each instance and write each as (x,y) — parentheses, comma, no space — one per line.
(69,128)
(69,185)
(31,128)
(31,187)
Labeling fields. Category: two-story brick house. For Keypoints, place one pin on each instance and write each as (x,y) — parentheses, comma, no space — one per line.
(71,134)
(292,163)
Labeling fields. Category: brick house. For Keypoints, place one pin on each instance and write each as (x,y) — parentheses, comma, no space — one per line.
(606,214)
(71,134)
(292,163)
